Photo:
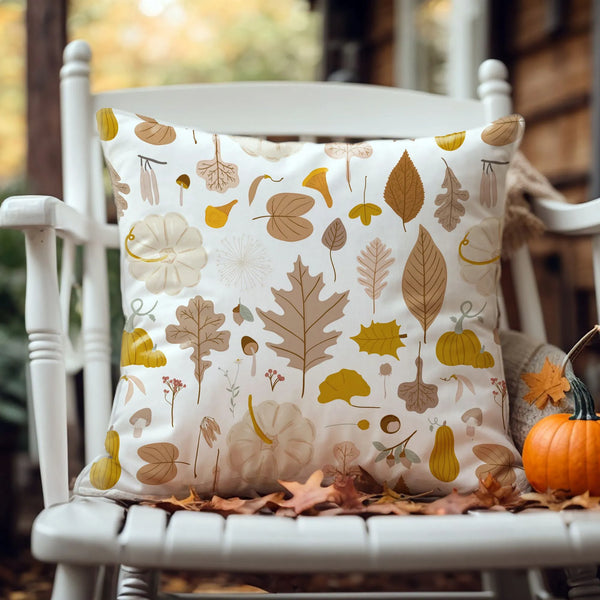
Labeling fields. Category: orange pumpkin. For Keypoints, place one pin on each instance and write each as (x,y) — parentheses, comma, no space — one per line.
(562,452)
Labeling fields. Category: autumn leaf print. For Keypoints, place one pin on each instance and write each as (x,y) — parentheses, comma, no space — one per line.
(286,222)
(424,280)
(219,175)
(450,211)
(347,151)
(334,238)
(373,267)
(404,190)
(305,315)
(380,338)
(198,329)
(418,395)
(499,462)
(162,463)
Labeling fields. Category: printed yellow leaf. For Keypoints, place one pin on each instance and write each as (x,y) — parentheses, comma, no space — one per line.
(549,385)
(404,190)
(343,385)
(380,338)
(424,280)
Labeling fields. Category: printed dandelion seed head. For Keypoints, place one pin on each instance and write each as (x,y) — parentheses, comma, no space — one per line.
(243,262)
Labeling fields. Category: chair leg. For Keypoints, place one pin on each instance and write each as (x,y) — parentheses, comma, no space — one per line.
(74,582)
(583,582)
(137,584)
(507,584)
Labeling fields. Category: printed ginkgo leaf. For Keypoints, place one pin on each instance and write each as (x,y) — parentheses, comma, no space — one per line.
(549,385)
(162,463)
(450,210)
(198,329)
(286,222)
(380,338)
(305,315)
(219,175)
(334,238)
(404,190)
(374,262)
(499,463)
(344,385)
(424,280)
(418,395)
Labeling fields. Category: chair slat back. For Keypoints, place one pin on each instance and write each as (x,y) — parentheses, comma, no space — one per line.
(327,110)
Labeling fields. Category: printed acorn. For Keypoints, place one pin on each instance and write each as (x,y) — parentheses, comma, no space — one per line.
(216,216)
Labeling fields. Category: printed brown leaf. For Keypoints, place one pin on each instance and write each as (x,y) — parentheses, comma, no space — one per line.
(418,395)
(499,463)
(302,323)
(424,280)
(198,329)
(286,222)
(404,190)
(450,210)
(373,267)
(334,238)
(219,175)
(162,463)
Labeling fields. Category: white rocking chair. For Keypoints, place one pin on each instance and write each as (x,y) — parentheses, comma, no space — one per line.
(87,538)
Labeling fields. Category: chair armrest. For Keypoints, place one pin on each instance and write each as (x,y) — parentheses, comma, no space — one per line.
(25,212)
(569,219)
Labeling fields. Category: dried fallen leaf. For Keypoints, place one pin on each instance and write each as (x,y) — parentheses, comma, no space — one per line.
(307,495)
(549,385)
(453,504)
(492,493)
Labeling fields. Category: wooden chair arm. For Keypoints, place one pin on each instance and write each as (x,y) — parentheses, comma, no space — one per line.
(24,212)
(569,219)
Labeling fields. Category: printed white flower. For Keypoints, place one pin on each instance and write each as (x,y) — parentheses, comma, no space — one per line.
(480,254)
(243,262)
(166,253)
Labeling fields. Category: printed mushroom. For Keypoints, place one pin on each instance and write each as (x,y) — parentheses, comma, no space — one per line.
(140,419)
(183,181)
(473,418)
(250,348)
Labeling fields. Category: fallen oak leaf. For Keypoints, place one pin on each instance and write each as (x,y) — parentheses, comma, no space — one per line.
(492,493)
(244,506)
(307,495)
(557,500)
(453,504)
(349,496)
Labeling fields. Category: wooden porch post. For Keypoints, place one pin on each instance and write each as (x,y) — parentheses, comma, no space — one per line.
(46,38)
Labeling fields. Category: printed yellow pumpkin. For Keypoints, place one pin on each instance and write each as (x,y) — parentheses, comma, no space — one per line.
(452,141)
(137,347)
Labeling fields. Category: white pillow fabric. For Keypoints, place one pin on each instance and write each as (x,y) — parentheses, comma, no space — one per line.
(297,306)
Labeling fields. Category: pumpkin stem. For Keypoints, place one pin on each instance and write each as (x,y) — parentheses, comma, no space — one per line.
(465,307)
(584,403)
(136,308)
(578,347)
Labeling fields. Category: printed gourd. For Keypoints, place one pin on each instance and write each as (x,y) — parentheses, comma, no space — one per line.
(107,124)
(137,347)
(106,471)
(443,463)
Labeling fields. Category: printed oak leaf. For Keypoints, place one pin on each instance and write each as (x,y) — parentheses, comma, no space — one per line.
(373,267)
(404,190)
(418,395)
(286,222)
(198,329)
(380,338)
(305,315)
(450,211)
(162,463)
(219,175)
(307,495)
(549,385)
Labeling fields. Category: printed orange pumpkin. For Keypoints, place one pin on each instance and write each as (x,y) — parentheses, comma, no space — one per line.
(562,451)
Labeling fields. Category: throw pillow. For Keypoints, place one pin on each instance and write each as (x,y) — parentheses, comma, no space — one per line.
(298,306)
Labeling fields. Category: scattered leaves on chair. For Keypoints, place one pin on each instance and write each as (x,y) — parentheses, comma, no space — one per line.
(310,494)
(549,385)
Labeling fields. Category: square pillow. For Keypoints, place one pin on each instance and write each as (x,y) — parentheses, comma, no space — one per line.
(297,306)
